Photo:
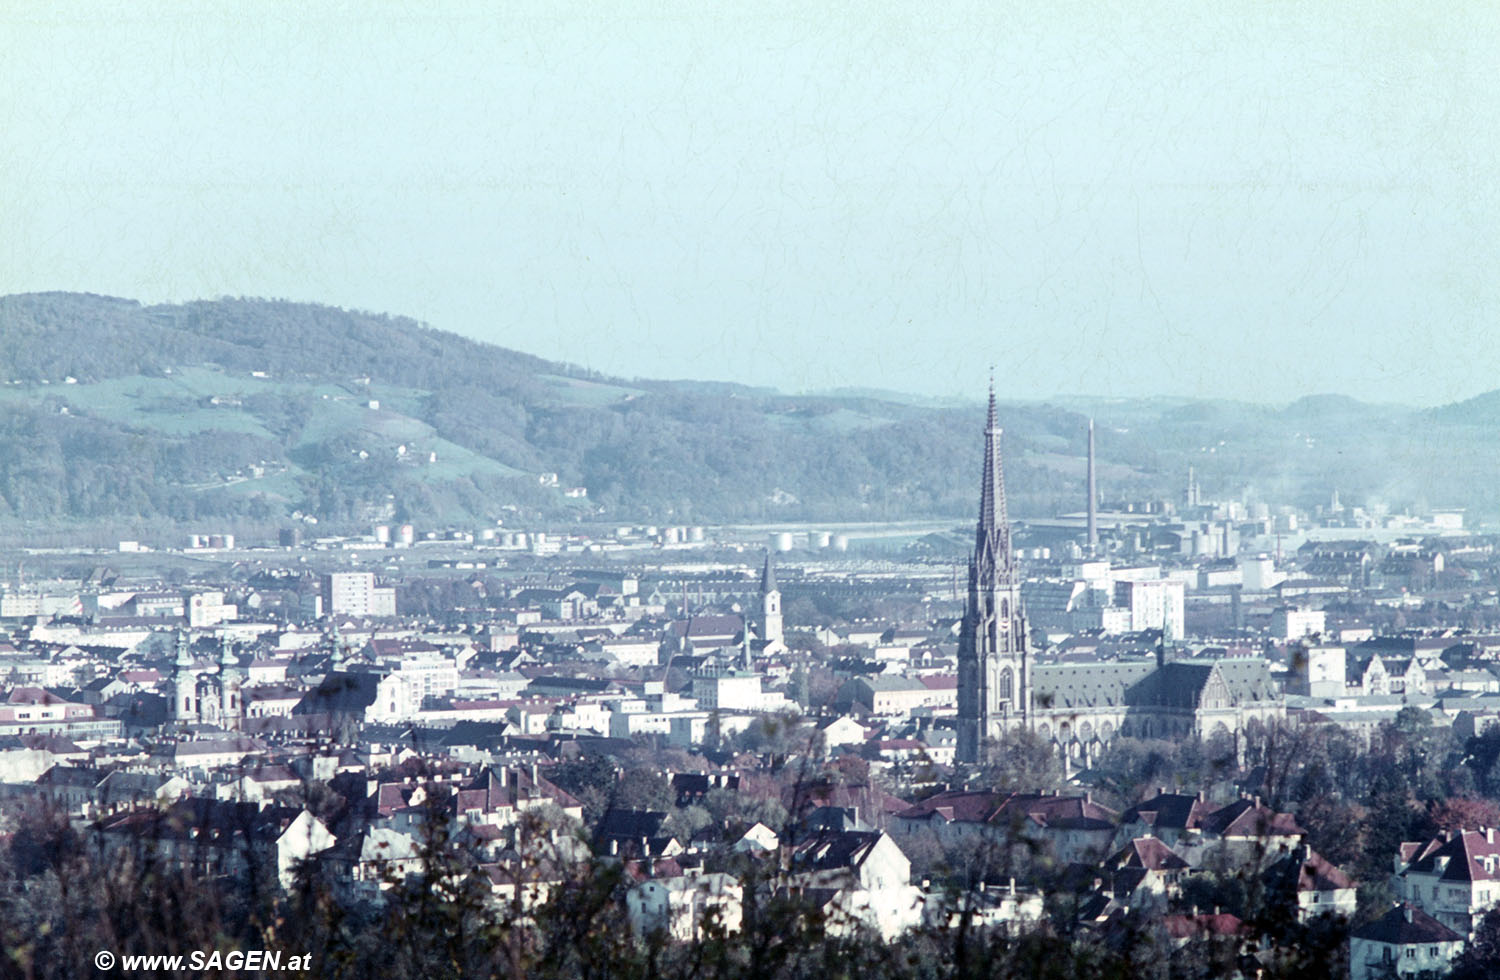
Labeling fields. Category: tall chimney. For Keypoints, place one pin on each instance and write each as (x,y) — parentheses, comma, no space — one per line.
(1093,498)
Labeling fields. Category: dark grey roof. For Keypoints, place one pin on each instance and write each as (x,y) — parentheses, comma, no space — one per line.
(1407,925)
(1086,685)
(341,691)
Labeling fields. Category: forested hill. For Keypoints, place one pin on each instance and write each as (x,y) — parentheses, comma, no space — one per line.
(257,410)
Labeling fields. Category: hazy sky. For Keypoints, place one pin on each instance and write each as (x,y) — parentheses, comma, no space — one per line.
(1250,198)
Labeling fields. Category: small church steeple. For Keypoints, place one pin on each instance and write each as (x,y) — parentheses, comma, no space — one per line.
(771,630)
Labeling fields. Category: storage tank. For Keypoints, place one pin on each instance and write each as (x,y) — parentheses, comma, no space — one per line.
(407,535)
(383,533)
(781,541)
(695,535)
(841,542)
(819,539)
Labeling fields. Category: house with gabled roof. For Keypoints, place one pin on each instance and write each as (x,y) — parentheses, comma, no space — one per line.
(623,834)
(499,795)
(1072,827)
(370,861)
(1174,818)
(1405,942)
(1248,832)
(1311,884)
(1145,872)
(1454,877)
(868,873)
(221,838)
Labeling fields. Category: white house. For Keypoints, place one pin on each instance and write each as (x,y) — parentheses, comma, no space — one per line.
(1405,941)
(682,907)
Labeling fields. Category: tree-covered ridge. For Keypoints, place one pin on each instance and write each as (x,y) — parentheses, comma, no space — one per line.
(253,409)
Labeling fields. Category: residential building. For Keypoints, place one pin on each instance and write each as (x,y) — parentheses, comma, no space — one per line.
(1405,942)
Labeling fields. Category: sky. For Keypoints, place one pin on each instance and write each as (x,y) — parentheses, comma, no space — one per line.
(1254,199)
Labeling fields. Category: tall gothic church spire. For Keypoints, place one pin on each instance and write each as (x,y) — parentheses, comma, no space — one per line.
(993,559)
(994,665)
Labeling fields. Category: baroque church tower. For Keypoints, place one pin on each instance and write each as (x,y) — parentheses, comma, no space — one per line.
(994,666)
(184,682)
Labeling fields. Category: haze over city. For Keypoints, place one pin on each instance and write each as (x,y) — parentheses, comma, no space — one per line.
(1246,200)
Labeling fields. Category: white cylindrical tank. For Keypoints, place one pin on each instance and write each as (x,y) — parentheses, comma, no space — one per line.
(841,542)
(383,533)
(406,534)
(695,535)
(819,539)
(781,541)
(672,535)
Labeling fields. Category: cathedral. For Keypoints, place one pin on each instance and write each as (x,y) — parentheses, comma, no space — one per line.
(1079,708)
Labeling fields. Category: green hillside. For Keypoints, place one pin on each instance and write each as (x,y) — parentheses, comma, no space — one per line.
(255,410)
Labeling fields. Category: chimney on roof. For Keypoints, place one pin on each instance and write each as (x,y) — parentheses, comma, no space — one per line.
(1489,835)
(1013,886)
(1406,910)
(614,847)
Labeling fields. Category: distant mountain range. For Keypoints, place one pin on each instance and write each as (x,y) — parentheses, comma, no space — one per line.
(255,410)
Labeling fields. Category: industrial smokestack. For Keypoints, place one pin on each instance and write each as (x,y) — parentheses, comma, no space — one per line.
(1093,498)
